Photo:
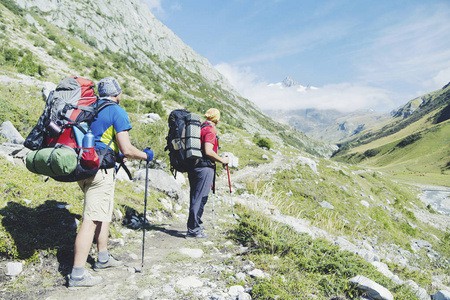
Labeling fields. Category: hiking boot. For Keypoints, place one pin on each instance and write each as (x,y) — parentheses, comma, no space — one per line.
(87,280)
(111,263)
(197,236)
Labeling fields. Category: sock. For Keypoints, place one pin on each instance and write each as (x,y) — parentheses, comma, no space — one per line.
(103,257)
(77,272)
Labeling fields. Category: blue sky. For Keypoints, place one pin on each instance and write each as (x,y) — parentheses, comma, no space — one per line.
(359,54)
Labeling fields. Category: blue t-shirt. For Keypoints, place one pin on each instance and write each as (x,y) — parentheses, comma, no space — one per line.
(110,120)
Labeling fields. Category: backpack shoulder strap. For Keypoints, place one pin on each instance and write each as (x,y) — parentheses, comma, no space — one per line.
(205,124)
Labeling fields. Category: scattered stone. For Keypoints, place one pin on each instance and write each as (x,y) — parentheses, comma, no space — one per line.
(168,289)
(327,205)
(145,294)
(235,290)
(309,162)
(118,242)
(154,117)
(13,268)
(373,289)
(189,282)
(395,279)
(241,276)
(167,204)
(257,273)
(27,201)
(421,293)
(244,296)
(383,269)
(365,203)
(193,253)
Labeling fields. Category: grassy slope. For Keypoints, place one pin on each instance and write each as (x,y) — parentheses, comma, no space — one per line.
(418,152)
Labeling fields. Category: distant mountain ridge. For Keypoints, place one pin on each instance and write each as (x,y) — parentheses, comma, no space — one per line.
(415,139)
(330,126)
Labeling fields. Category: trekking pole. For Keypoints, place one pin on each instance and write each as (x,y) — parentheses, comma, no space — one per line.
(231,198)
(214,196)
(145,215)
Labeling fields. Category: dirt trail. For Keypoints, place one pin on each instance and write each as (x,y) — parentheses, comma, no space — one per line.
(174,268)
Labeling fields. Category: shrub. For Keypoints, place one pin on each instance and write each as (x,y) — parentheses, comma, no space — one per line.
(371,152)
(264,142)
(28,66)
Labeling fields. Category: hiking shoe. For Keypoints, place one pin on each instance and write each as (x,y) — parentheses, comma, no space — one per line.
(87,280)
(111,263)
(197,236)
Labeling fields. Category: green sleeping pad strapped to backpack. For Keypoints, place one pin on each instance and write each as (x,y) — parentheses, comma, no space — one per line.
(52,161)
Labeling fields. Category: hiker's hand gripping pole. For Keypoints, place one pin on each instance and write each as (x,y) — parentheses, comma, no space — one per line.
(231,198)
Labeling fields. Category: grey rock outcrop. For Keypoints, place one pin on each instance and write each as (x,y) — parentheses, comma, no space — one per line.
(441,295)
(10,133)
(164,183)
(373,289)
(134,30)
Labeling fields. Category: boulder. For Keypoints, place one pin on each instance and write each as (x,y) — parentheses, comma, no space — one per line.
(162,182)
(47,88)
(13,268)
(9,132)
(441,295)
(309,162)
(373,289)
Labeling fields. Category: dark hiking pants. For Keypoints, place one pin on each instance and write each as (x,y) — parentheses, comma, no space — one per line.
(200,181)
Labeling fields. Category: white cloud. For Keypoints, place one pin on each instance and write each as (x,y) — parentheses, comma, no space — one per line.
(155,7)
(341,96)
(441,79)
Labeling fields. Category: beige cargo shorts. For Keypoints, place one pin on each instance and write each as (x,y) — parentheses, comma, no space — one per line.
(99,195)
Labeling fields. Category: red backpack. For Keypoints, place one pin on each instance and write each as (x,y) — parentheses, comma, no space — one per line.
(57,137)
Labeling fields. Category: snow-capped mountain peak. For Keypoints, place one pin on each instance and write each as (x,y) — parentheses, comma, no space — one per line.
(289,83)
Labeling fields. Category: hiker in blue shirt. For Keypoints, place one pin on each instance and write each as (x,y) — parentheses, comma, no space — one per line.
(113,124)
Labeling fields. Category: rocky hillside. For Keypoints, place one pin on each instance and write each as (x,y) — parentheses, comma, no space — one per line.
(123,39)
(414,141)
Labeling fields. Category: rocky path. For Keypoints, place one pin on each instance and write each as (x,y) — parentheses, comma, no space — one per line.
(174,267)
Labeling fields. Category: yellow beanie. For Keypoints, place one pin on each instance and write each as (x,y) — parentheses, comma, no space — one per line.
(213,115)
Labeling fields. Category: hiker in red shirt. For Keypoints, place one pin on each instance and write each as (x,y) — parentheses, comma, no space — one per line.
(201,177)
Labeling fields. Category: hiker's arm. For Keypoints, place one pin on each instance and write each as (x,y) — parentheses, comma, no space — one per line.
(209,151)
(130,151)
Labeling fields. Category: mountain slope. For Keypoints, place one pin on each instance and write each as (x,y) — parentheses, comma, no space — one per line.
(330,126)
(123,39)
(415,141)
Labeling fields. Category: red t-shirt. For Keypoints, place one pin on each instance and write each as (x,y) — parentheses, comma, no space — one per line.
(208,135)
